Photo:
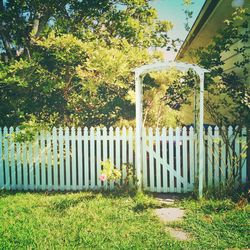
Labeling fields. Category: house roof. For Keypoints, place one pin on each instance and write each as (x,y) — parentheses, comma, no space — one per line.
(207,24)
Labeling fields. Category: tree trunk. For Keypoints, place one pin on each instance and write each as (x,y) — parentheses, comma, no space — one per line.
(6,45)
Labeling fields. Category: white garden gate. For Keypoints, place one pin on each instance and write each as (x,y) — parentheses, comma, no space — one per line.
(168,160)
(139,74)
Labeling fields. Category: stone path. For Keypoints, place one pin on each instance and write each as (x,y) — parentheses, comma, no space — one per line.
(171,214)
(178,234)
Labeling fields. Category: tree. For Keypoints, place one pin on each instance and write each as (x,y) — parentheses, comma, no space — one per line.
(71,82)
(70,62)
(164,94)
(134,20)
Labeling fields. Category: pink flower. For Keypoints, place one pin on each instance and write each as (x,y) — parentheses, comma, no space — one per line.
(103,177)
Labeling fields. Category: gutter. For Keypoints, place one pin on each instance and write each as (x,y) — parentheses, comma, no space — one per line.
(206,10)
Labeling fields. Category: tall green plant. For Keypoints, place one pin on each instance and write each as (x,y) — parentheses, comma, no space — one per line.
(228,101)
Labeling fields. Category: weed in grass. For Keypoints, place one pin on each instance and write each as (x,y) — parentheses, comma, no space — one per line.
(217,206)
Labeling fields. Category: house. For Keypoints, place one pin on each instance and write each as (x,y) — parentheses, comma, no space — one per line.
(209,21)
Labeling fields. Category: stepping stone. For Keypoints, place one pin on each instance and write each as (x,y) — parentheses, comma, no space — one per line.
(170,214)
(178,234)
(167,199)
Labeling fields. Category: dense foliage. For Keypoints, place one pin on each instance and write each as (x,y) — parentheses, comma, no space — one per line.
(166,103)
(70,62)
(228,100)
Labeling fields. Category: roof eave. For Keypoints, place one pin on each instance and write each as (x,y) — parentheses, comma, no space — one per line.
(206,10)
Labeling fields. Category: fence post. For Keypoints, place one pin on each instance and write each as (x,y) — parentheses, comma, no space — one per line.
(201,140)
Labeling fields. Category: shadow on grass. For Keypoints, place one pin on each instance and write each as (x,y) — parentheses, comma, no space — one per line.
(105,193)
(62,204)
(141,200)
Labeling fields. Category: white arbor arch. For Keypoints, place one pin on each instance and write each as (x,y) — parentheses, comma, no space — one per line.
(139,73)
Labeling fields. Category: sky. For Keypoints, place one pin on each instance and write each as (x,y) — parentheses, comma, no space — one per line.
(173,10)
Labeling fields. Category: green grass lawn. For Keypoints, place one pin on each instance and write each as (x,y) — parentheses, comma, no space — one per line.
(105,221)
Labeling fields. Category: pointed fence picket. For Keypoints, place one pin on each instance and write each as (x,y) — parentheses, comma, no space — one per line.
(67,155)
(144,160)
(43,166)
(131,147)
(210,156)
(157,161)
(191,154)
(111,151)
(86,158)
(184,159)
(98,156)
(178,161)
(19,169)
(70,159)
(12,160)
(105,151)
(243,142)
(37,163)
(79,159)
(73,158)
(231,140)
(61,159)
(171,160)
(55,159)
(117,149)
(25,169)
(216,156)
(92,158)
(237,143)
(124,152)
(223,159)
(164,158)
(6,158)
(49,167)
(151,160)
(31,166)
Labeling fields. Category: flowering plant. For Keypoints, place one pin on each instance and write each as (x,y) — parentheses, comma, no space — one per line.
(123,178)
(109,172)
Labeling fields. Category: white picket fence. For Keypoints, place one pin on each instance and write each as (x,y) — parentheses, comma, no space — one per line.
(70,159)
